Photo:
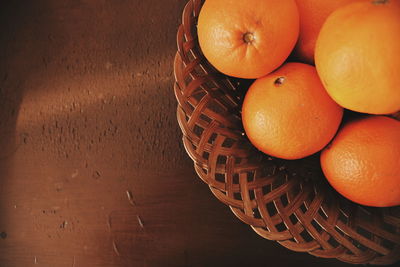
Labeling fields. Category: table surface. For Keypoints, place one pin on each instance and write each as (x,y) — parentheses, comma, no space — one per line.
(92,168)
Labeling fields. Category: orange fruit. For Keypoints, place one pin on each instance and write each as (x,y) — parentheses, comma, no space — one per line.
(363,161)
(313,14)
(288,114)
(357,56)
(247,39)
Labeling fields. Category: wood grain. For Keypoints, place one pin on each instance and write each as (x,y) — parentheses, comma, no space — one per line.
(88,113)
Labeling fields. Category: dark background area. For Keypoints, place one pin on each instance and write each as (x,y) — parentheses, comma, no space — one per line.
(92,169)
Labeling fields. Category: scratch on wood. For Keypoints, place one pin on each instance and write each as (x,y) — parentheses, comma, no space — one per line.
(73,261)
(140,221)
(130,198)
(35,260)
(75,173)
(96,175)
(63,224)
(116,249)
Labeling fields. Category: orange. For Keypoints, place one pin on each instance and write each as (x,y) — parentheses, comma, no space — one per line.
(288,114)
(363,161)
(313,14)
(247,39)
(357,56)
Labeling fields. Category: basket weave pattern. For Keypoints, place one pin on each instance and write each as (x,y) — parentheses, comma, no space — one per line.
(288,202)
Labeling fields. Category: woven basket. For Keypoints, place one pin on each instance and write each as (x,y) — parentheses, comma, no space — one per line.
(286,201)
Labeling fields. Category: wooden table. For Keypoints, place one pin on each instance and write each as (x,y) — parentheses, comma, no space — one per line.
(92,169)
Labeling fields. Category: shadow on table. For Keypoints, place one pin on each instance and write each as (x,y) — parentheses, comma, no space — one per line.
(19,59)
